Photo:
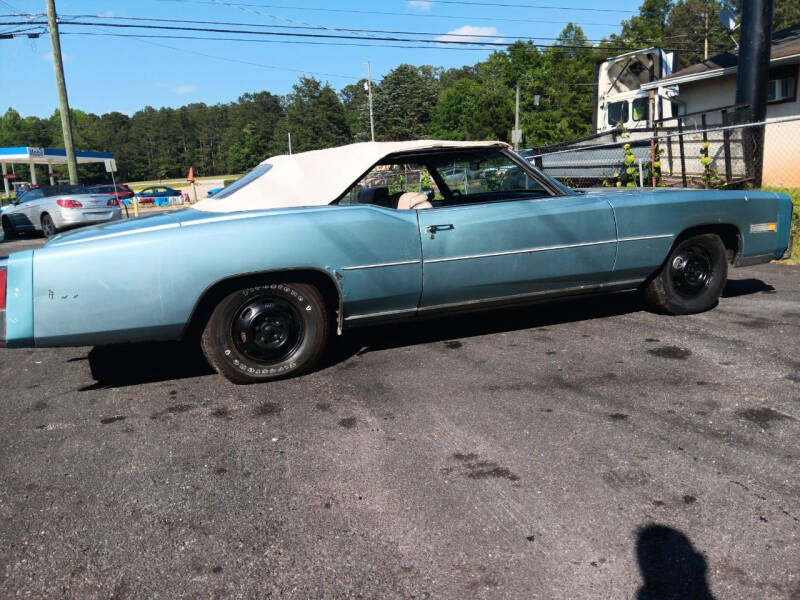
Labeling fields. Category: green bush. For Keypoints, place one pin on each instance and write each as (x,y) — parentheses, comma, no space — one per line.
(794,193)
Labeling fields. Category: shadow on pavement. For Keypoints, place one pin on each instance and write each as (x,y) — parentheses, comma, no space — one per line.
(133,364)
(361,341)
(743,287)
(671,568)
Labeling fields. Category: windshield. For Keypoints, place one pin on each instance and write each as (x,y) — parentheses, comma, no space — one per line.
(242,182)
(529,156)
(63,190)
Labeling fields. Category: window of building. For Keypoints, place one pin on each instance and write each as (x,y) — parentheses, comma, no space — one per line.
(782,84)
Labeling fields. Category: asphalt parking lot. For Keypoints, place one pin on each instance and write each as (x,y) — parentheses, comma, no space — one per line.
(587,449)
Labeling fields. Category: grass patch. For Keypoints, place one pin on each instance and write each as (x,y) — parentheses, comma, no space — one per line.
(794,194)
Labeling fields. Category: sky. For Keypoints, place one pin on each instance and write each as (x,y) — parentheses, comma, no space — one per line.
(125,74)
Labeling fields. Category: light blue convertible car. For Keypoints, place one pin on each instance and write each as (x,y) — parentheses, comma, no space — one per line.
(306,245)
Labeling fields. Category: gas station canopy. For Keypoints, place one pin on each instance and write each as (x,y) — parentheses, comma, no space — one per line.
(49,156)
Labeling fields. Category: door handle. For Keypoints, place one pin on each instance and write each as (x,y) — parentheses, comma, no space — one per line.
(432,229)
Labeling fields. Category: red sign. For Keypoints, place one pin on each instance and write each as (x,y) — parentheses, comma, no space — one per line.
(11,176)
(56,175)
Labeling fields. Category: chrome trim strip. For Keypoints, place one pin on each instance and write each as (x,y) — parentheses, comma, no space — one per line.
(646,237)
(382,314)
(627,284)
(391,264)
(548,248)
(556,293)
(525,251)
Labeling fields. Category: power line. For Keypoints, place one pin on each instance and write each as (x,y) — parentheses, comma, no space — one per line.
(433,43)
(263,41)
(433,46)
(243,62)
(539,6)
(391,14)
(327,28)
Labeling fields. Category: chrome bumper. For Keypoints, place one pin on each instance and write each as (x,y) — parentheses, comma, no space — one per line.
(73,217)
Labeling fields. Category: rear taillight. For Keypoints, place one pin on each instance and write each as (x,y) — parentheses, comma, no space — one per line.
(63,202)
(2,289)
(113,202)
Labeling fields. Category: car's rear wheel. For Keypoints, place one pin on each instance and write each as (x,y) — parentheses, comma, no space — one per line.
(692,278)
(48,227)
(266,332)
(9,233)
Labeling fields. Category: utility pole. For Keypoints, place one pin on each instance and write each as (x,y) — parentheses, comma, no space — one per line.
(752,78)
(705,48)
(63,103)
(516,134)
(369,91)
(290,141)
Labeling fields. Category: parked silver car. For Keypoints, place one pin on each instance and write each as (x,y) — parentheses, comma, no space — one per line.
(50,209)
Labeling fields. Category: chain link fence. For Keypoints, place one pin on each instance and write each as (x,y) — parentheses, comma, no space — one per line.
(707,150)
(712,150)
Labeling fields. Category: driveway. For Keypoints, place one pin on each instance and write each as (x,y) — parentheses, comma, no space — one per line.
(587,449)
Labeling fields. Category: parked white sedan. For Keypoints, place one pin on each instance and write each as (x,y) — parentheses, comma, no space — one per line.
(50,209)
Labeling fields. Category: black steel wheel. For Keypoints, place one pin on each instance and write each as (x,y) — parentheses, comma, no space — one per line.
(266,332)
(691,279)
(267,329)
(48,227)
(690,271)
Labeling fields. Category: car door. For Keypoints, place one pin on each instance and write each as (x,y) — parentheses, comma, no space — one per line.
(511,239)
(23,216)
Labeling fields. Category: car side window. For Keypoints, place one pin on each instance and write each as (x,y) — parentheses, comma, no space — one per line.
(485,177)
(33,195)
(385,184)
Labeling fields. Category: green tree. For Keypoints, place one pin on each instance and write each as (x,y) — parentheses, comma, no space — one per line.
(647,27)
(787,13)
(355,100)
(404,102)
(563,79)
(474,110)
(314,115)
(686,28)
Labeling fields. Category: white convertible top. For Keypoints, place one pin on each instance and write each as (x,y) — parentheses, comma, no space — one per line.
(318,177)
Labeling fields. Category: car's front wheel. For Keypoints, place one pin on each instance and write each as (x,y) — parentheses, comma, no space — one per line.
(48,227)
(9,233)
(692,278)
(266,331)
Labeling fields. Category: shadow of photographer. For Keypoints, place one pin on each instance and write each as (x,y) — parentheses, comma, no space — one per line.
(671,567)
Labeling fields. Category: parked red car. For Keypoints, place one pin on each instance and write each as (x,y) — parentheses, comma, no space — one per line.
(120,191)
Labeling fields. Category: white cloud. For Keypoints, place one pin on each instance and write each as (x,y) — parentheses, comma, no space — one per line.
(108,13)
(470,33)
(48,56)
(420,4)
(185,89)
